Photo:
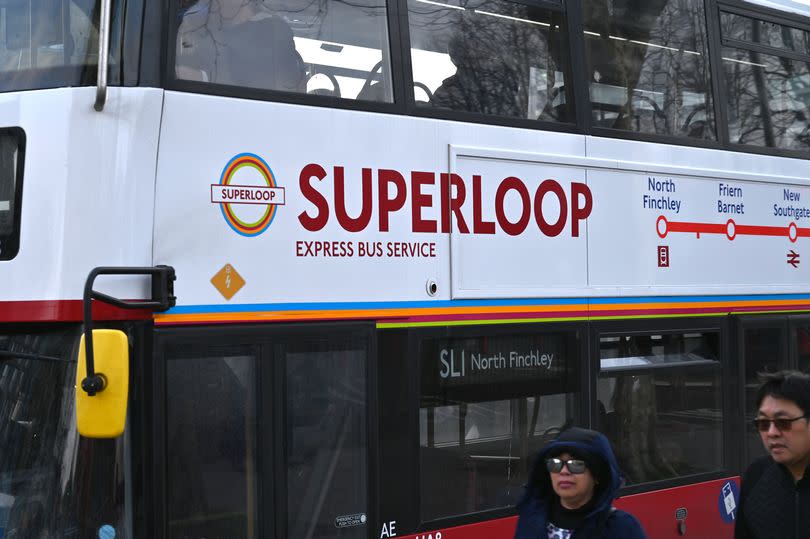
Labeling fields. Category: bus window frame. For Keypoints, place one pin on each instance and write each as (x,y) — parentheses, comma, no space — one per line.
(172,82)
(403,103)
(759,13)
(728,377)
(742,324)
(19,134)
(789,359)
(793,322)
(572,126)
(717,143)
(270,410)
(126,73)
(400,493)
(133,40)
(762,13)
(401,77)
(135,467)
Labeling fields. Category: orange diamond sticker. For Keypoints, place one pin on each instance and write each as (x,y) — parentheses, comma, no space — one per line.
(227,281)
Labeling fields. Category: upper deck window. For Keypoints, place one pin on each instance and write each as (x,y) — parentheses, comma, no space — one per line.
(490,57)
(739,28)
(11,164)
(52,44)
(648,67)
(802,7)
(766,82)
(332,48)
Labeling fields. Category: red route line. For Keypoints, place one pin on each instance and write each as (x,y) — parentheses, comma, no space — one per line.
(697,228)
(730,229)
(758,230)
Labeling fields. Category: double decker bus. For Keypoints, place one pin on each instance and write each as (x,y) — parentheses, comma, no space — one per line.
(349,264)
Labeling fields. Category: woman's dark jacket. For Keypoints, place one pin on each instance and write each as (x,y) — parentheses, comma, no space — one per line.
(603,522)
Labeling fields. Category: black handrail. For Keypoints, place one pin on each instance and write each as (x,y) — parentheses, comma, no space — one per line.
(162,299)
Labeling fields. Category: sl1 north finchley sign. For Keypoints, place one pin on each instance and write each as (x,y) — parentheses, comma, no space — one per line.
(453,366)
(489,364)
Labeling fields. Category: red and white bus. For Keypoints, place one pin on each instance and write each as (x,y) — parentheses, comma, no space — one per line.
(383,251)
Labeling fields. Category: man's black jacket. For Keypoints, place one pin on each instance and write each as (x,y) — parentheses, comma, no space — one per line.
(772,504)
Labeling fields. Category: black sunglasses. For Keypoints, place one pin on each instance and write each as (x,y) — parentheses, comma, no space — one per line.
(782,424)
(574,466)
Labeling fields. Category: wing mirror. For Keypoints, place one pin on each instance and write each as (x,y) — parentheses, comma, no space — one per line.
(102,371)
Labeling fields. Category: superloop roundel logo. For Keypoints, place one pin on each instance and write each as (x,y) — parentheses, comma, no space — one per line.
(248,194)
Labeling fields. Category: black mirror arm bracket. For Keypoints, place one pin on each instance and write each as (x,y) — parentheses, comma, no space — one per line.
(162,299)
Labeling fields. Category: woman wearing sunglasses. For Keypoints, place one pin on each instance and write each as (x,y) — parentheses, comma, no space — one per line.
(571,489)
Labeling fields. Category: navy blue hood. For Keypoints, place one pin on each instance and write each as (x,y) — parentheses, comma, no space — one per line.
(592,447)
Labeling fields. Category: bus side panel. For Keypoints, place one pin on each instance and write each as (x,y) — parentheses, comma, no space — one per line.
(656,511)
(87,195)
(298,247)
(709,512)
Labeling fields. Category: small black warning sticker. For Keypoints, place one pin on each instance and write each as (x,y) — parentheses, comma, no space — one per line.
(347,521)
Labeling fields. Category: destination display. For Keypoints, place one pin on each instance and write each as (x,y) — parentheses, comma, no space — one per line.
(478,369)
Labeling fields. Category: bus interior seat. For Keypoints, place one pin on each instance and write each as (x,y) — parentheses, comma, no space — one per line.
(190,73)
(556,108)
(695,124)
(373,92)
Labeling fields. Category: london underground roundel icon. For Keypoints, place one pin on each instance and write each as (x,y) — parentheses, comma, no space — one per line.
(248,194)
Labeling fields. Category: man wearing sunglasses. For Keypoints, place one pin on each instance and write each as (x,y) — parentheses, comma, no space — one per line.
(775,493)
(571,489)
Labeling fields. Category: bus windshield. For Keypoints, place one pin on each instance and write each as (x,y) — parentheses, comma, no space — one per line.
(53,483)
(54,44)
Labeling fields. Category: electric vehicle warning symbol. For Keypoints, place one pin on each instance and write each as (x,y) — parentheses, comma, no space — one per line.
(227,281)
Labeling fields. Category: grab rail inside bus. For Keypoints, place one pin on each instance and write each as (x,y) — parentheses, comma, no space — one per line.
(103,51)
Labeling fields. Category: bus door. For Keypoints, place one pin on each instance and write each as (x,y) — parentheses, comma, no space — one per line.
(763,347)
(265,432)
(660,399)
(799,341)
(768,344)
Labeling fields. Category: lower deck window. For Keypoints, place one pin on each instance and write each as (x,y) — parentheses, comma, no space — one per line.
(268,436)
(327,445)
(212,446)
(660,404)
(53,482)
(487,404)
